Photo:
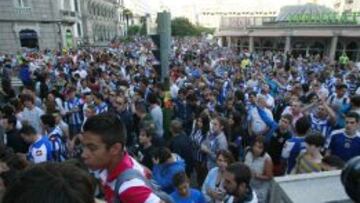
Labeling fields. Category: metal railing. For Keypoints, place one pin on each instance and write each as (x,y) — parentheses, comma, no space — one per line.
(23,10)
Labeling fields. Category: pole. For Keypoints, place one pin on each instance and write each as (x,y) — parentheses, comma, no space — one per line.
(164,30)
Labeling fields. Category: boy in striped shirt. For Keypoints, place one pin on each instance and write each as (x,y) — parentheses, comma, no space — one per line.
(104,139)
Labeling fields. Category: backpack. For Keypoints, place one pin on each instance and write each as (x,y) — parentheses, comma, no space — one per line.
(131,174)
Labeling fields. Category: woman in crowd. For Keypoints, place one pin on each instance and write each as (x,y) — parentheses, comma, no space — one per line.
(213,187)
(260,163)
(215,141)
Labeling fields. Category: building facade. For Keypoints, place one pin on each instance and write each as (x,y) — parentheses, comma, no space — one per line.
(321,32)
(101,20)
(35,24)
(58,24)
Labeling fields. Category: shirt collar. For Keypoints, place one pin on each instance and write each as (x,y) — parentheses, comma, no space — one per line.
(123,165)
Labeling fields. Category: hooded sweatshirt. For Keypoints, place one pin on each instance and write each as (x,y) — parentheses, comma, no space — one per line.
(163,173)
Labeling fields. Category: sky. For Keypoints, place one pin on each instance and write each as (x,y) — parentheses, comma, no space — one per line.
(176,6)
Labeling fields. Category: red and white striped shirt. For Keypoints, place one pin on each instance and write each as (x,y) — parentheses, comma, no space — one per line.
(132,191)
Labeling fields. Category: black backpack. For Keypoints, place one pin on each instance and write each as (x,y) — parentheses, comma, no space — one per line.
(133,173)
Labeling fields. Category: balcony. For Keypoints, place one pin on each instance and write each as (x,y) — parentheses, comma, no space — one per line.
(68,16)
(23,11)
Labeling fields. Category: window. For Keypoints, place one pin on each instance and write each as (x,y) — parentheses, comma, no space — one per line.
(23,3)
(79,29)
(76,5)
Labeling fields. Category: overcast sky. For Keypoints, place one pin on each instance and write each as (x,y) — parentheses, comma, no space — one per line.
(176,6)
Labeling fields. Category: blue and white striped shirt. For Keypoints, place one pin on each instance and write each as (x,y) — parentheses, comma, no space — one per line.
(322,126)
(74,118)
(101,108)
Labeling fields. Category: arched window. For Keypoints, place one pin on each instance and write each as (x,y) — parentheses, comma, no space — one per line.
(339,46)
(29,38)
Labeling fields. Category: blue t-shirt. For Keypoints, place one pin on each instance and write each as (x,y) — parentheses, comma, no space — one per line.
(344,146)
(40,150)
(195,196)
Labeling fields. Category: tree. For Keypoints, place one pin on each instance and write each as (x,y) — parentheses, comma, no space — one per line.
(133,30)
(183,27)
(128,15)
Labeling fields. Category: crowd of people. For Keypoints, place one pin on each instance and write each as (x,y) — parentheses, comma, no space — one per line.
(98,124)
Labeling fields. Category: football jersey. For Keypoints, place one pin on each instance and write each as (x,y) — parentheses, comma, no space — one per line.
(344,146)
(40,150)
(60,151)
(291,150)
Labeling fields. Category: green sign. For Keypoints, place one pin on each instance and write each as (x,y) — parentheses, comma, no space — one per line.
(325,18)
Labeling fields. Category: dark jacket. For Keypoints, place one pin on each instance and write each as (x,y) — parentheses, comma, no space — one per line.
(15,142)
(181,145)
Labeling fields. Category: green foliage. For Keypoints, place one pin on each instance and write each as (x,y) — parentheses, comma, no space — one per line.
(134,30)
(183,27)
(207,30)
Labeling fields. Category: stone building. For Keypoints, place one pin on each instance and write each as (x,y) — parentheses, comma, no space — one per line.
(101,20)
(57,24)
(36,24)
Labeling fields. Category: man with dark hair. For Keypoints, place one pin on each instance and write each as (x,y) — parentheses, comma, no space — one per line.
(13,137)
(146,149)
(40,149)
(144,119)
(124,111)
(51,182)
(277,142)
(181,144)
(56,137)
(101,105)
(345,142)
(104,142)
(237,184)
(72,106)
(296,144)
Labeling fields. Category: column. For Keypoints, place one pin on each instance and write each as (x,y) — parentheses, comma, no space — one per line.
(332,53)
(228,39)
(287,44)
(251,44)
